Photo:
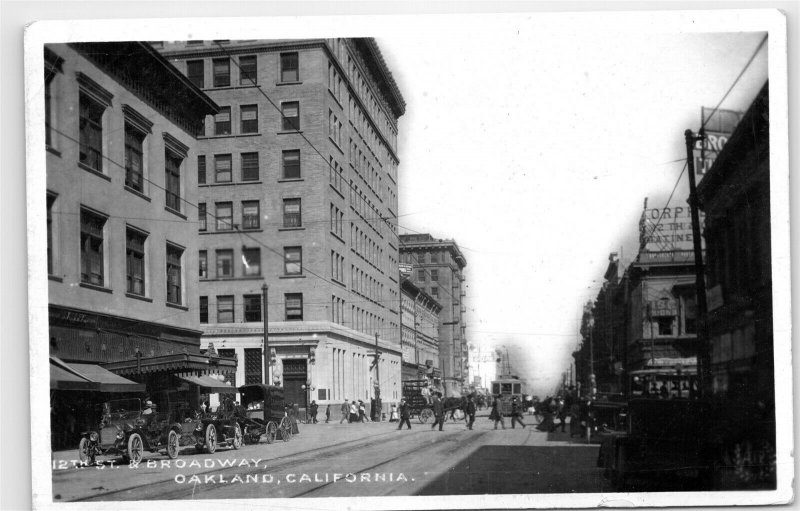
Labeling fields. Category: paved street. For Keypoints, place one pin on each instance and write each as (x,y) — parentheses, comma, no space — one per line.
(350,459)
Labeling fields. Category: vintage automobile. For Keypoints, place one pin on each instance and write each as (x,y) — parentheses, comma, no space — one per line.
(126,429)
(219,428)
(263,413)
(604,415)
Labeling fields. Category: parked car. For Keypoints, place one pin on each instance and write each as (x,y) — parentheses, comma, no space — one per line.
(127,429)
(219,428)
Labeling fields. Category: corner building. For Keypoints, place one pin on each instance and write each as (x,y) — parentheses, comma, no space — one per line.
(298,179)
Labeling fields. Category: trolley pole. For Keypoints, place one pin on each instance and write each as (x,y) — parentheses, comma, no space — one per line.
(264,289)
(703,355)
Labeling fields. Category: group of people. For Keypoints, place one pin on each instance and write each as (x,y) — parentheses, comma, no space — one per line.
(403,414)
(496,415)
(353,411)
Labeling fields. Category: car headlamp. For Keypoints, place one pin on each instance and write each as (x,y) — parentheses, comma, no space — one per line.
(93,436)
(120,434)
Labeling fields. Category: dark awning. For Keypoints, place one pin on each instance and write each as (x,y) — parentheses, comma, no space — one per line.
(209,384)
(88,377)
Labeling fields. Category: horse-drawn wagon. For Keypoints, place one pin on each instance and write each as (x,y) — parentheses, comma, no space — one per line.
(263,413)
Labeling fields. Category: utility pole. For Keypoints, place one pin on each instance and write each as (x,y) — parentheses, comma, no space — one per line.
(377,412)
(264,289)
(703,355)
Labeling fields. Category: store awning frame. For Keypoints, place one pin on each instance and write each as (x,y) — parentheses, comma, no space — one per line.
(209,384)
(88,377)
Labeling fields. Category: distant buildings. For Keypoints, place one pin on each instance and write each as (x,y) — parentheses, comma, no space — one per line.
(438,269)
(121,241)
(420,341)
(298,176)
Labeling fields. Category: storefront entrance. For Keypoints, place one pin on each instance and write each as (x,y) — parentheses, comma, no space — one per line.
(295,375)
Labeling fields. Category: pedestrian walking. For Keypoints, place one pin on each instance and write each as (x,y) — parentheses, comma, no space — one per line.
(314,407)
(575,418)
(516,413)
(438,412)
(393,417)
(405,415)
(362,412)
(470,411)
(327,414)
(353,411)
(496,415)
(561,412)
(345,411)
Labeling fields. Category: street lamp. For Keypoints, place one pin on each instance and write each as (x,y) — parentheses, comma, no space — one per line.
(306,389)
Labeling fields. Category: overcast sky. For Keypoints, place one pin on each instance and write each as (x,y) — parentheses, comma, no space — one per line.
(533,145)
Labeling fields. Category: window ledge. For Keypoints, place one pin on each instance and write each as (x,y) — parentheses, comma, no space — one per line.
(231,183)
(335,144)
(139,297)
(174,212)
(55,278)
(279,84)
(231,87)
(291,179)
(289,132)
(96,287)
(177,306)
(93,171)
(336,236)
(340,194)
(246,135)
(338,282)
(281,229)
(53,150)
(137,193)
(333,96)
(292,277)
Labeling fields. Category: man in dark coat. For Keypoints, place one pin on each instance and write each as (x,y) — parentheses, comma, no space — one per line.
(516,413)
(470,409)
(438,412)
(405,415)
(314,407)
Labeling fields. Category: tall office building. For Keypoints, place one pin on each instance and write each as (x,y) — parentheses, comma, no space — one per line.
(298,192)
(438,269)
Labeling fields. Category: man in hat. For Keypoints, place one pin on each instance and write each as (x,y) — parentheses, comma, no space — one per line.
(345,411)
(470,411)
(405,415)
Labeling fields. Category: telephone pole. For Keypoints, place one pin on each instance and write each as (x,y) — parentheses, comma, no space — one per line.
(264,289)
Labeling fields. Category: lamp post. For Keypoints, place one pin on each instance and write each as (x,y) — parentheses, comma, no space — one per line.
(306,389)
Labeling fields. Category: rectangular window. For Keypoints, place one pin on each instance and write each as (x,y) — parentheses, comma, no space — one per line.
(291,164)
(172,167)
(91,133)
(293,260)
(224,216)
(134,161)
(252,308)
(290,113)
(250,167)
(224,263)
(222,72)
(92,262)
(48,106)
(195,71)
(201,169)
(294,306)
(249,119)
(248,70)
(203,309)
(291,213)
(251,261)
(134,245)
(435,292)
(222,168)
(421,275)
(253,363)
(222,121)
(174,256)
(289,67)
(203,264)
(50,201)
(201,216)
(225,309)
(250,215)
(665,325)
(434,275)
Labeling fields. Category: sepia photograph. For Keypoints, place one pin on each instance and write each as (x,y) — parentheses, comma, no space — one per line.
(521,260)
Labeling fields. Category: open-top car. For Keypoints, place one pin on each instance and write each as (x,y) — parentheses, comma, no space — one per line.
(219,428)
(127,429)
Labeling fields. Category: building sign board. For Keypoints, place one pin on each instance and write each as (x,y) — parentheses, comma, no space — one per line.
(666,229)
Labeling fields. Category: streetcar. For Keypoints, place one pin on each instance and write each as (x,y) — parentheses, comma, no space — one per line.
(506,389)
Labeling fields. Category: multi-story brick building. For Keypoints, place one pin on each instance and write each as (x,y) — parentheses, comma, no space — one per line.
(438,269)
(121,184)
(420,341)
(298,191)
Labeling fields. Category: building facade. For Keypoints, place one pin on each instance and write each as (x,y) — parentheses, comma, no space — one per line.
(298,181)
(438,269)
(121,188)
(420,339)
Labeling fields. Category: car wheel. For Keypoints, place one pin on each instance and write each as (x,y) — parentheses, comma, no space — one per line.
(84,452)
(135,448)
(272,432)
(211,439)
(173,444)
(237,436)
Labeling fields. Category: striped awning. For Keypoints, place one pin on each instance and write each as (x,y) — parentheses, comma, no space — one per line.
(88,377)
